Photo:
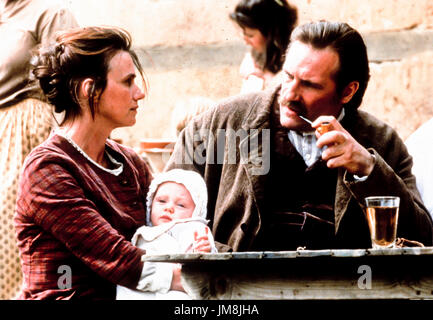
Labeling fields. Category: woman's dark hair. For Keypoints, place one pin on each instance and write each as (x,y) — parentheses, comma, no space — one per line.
(351,50)
(79,54)
(275,19)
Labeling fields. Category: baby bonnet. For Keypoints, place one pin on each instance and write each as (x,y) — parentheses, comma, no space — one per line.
(192,181)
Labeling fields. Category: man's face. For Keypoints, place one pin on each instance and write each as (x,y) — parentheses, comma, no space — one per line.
(308,86)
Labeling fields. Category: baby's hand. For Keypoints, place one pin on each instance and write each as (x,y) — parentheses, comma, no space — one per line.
(201,242)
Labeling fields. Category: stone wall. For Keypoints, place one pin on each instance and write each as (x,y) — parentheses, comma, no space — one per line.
(191,48)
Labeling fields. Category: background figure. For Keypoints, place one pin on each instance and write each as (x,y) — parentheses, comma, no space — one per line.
(418,145)
(176,223)
(266,26)
(25,120)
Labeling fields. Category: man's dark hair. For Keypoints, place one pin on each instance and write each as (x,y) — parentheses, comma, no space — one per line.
(351,50)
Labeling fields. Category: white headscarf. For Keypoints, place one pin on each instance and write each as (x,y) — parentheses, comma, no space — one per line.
(192,181)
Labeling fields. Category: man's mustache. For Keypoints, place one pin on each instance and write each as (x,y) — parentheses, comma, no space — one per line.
(296,106)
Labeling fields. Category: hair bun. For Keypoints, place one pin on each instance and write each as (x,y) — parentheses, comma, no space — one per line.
(59,49)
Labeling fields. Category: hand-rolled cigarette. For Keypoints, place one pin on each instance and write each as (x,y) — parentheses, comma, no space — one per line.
(324,127)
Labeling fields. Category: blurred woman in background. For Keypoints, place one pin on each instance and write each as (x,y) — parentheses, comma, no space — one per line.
(266,26)
(25,119)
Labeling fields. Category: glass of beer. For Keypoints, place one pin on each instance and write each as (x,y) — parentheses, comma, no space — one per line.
(382,217)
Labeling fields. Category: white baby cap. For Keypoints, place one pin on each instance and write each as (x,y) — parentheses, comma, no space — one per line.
(192,181)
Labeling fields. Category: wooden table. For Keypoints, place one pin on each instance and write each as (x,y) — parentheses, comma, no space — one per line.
(401,273)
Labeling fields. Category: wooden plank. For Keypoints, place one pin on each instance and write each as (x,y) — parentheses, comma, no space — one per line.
(326,278)
(403,273)
(282,255)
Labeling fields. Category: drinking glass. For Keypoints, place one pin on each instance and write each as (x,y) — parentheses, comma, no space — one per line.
(382,217)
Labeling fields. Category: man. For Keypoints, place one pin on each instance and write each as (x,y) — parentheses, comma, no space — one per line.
(274,182)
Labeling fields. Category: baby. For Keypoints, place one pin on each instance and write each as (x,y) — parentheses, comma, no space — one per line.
(175,218)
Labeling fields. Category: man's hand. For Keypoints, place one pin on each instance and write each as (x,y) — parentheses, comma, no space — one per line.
(342,149)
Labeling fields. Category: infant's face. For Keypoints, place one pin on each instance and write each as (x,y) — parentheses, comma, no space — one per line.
(171,201)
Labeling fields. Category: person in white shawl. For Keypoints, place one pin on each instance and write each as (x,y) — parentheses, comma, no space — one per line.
(175,223)
(418,146)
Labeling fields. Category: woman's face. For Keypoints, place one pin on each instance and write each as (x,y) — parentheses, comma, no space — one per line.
(255,39)
(118,103)
(171,201)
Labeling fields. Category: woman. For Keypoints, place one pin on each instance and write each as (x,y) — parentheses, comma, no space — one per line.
(266,26)
(81,195)
(25,120)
